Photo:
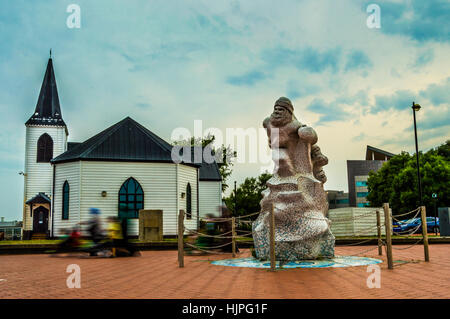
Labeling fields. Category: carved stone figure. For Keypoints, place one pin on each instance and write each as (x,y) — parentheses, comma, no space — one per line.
(296,191)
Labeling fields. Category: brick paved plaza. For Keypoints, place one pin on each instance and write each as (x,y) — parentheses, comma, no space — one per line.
(156,275)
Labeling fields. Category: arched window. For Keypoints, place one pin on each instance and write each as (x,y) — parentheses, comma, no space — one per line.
(188,201)
(44,148)
(65,200)
(131,199)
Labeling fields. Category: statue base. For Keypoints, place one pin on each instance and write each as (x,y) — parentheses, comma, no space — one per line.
(320,246)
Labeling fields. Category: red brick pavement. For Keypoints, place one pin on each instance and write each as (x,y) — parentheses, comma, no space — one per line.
(156,275)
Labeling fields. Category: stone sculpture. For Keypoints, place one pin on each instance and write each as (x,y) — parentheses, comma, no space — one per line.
(296,192)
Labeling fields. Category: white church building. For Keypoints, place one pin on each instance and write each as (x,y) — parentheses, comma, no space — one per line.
(121,170)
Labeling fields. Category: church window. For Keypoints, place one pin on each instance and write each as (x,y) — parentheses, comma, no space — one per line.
(65,201)
(44,148)
(131,199)
(188,201)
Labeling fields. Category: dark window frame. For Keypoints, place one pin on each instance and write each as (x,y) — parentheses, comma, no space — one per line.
(127,198)
(44,151)
(188,201)
(65,200)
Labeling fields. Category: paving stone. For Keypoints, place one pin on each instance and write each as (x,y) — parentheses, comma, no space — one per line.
(156,275)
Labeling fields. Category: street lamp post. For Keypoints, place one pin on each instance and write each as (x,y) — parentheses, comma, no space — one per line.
(416,107)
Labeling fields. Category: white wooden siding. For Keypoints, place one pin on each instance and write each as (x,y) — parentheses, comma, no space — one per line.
(69,172)
(157,180)
(210,197)
(39,176)
(188,174)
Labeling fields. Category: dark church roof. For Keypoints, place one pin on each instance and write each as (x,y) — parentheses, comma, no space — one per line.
(209,172)
(40,198)
(126,140)
(71,145)
(48,111)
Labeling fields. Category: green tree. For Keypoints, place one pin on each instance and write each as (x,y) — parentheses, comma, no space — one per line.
(248,195)
(396,181)
(443,150)
(228,155)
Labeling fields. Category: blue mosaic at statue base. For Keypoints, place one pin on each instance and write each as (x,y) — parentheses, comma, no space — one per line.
(314,247)
(336,262)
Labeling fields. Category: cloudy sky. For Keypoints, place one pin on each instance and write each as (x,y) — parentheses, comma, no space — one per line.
(225,62)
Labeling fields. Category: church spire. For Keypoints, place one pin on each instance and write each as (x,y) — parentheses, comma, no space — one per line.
(48,111)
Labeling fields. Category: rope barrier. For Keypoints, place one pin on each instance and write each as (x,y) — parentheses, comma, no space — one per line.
(418,208)
(252,214)
(397,220)
(245,235)
(207,235)
(207,251)
(361,242)
(243,231)
(408,247)
(225,219)
(246,221)
(213,247)
(365,251)
(408,232)
(216,219)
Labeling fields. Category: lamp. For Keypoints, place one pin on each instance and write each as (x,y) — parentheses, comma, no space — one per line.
(416,108)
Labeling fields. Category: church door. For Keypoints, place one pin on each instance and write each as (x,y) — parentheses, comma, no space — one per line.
(40,220)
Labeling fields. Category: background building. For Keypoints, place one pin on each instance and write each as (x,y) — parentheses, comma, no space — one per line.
(337,199)
(358,174)
(10,230)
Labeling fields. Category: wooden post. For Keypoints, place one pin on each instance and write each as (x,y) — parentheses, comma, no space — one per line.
(233,234)
(180,239)
(423,215)
(272,239)
(380,245)
(388,227)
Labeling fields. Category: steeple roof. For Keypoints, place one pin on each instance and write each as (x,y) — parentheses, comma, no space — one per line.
(48,111)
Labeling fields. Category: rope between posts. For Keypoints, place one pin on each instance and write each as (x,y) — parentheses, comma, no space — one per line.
(418,208)
(239,217)
(213,247)
(206,251)
(365,251)
(243,231)
(408,232)
(246,221)
(408,247)
(206,235)
(225,219)
(395,218)
(361,242)
(216,219)
(245,235)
